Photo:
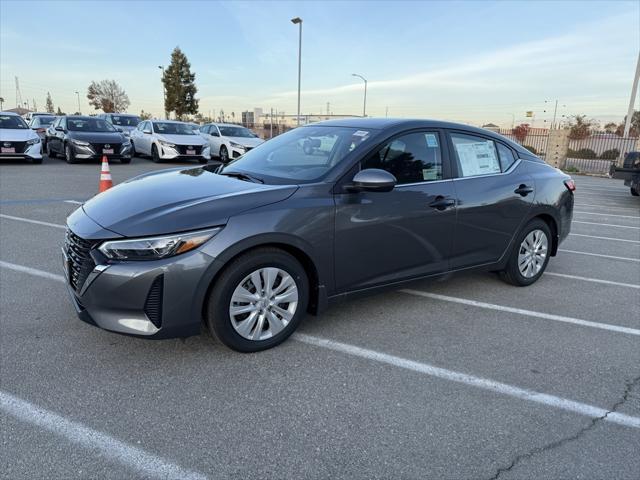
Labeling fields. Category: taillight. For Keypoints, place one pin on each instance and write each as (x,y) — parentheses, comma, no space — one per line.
(570,184)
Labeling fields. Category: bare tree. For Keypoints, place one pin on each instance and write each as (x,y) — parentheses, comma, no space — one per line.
(108,96)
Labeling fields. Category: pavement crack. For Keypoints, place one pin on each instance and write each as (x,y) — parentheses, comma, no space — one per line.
(629,385)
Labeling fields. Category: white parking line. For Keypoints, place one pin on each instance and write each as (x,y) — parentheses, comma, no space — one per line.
(111,448)
(613,239)
(75,202)
(31,271)
(612,257)
(28,220)
(606,224)
(594,280)
(473,381)
(605,214)
(521,311)
(603,205)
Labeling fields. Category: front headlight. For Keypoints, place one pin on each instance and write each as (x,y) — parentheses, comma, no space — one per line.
(80,143)
(236,145)
(154,248)
(33,141)
(164,143)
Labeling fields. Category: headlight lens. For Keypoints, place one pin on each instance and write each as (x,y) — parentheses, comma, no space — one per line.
(236,145)
(164,143)
(80,143)
(33,141)
(154,248)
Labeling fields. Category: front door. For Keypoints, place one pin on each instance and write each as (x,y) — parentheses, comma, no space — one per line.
(407,232)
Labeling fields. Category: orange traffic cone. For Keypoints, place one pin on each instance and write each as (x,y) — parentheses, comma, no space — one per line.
(105,175)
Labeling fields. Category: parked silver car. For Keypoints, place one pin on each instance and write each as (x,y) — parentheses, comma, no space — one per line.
(229,141)
(17,140)
(169,140)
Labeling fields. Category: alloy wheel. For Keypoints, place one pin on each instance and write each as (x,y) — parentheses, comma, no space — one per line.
(224,154)
(532,253)
(263,304)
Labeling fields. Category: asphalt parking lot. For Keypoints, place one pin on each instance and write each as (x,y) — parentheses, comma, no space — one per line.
(462,378)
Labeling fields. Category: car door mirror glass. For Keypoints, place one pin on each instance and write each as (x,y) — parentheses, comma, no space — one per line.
(373,180)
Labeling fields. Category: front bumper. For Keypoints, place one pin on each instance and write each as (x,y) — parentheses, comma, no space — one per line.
(171,153)
(151,299)
(82,152)
(32,152)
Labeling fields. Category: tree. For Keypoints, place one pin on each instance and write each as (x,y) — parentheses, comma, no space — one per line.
(59,112)
(610,127)
(634,130)
(108,96)
(49,103)
(521,132)
(145,115)
(179,86)
(1,102)
(580,127)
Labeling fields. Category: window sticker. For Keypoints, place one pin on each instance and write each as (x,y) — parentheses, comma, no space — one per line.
(478,158)
(361,133)
(430,173)
(432,141)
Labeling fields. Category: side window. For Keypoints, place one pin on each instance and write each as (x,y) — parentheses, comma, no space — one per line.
(214,131)
(475,155)
(411,158)
(204,129)
(63,122)
(506,157)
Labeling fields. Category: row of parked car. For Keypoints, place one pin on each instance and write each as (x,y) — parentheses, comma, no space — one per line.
(120,136)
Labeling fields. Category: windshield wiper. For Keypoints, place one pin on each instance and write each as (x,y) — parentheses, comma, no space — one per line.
(242,176)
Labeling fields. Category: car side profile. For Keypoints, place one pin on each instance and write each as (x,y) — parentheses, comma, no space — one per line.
(229,141)
(250,247)
(17,140)
(169,140)
(78,138)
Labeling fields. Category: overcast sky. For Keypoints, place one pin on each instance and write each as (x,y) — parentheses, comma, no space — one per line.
(474,62)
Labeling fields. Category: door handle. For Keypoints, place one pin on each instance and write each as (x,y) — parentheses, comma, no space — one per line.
(442,203)
(523,190)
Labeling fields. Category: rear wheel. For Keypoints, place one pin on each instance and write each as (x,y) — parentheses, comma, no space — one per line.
(224,154)
(530,256)
(155,156)
(258,300)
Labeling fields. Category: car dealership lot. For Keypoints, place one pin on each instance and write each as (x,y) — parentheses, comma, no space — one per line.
(396,385)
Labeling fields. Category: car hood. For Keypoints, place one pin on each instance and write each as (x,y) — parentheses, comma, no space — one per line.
(178,200)
(97,137)
(182,139)
(246,141)
(17,135)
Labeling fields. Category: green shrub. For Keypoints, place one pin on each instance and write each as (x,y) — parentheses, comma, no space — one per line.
(611,154)
(571,169)
(585,153)
(531,149)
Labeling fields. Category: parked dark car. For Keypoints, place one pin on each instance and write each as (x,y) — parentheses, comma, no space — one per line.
(250,247)
(630,172)
(86,138)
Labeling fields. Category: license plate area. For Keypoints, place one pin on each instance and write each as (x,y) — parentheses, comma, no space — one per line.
(8,150)
(107,151)
(191,152)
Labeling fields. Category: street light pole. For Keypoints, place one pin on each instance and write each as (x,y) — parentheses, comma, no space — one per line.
(632,100)
(298,21)
(78,95)
(164,93)
(364,108)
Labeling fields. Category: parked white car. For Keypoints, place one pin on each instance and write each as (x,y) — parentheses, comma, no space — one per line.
(169,140)
(229,141)
(17,140)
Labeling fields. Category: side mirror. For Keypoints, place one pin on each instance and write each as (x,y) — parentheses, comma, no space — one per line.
(59,128)
(372,180)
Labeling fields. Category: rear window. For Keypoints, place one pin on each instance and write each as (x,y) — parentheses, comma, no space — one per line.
(12,122)
(125,120)
(43,121)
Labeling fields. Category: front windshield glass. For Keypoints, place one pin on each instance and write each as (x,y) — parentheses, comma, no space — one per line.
(168,128)
(43,120)
(125,120)
(12,122)
(88,125)
(301,155)
(227,131)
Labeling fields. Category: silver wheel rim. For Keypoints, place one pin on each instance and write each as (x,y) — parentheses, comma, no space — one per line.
(223,155)
(263,304)
(532,253)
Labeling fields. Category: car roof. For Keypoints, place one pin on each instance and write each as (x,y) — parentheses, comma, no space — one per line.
(405,123)
(9,113)
(81,117)
(166,121)
(226,125)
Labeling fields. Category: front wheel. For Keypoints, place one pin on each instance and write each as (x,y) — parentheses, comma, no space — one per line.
(634,191)
(50,152)
(258,300)
(530,256)
(224,154)
(125,160)
(155,156)
(69,156)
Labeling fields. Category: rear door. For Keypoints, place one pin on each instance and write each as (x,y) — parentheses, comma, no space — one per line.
(494,195)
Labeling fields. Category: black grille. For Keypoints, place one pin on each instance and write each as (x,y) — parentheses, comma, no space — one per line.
(182,149)
(80,262)
(99,147)
(19,146)
(153,304)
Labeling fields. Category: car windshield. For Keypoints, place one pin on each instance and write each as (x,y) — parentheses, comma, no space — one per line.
(125,120)
(43,120)
(227,131)
(168,128)
(88,125)
(12,122)
(301,155)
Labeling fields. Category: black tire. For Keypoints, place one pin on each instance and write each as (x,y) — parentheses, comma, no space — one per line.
(634,192)
(125,160)
(203,160)
(224,154)
(218,319)
(511,274)
(155,156)
(50,153)
(36,161)
(69,156)
(133,149)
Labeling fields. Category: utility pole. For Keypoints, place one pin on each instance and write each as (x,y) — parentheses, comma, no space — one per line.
(632,100)
(386,111)
(328,108)
(164,93)
(78,95)
(298,21)
(271,124)
(18,94)
(364,108)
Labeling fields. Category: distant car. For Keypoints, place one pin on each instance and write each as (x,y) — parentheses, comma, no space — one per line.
(17,140)
(28,117)
(229,141)
(169,140)
(122,121)
(630,172)
(86,138)
(194,126)
(40,123)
